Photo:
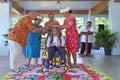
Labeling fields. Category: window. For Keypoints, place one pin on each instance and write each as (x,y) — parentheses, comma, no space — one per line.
(101,21)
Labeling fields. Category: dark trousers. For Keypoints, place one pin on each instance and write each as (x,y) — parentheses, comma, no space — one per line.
(83,48)
(52,50)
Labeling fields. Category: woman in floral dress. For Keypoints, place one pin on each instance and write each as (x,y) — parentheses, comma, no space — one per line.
(72,43)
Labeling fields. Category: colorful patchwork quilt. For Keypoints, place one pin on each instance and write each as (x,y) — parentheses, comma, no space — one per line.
(83,72)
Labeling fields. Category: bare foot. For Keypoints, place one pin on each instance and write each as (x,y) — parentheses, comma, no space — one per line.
(36,65)
(26,65)
(89,55)
(74,66)
(82,55)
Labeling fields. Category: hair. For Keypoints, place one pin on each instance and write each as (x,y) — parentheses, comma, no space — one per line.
(59,36)
(32,12)
(79,35)
(89,22)
(70,11)
(51,14)
(37,19)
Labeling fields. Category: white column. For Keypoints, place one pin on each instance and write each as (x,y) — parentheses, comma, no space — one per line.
(114,22)
(91,18)
(10,13)
(85,19)
(24,13)
(4,26)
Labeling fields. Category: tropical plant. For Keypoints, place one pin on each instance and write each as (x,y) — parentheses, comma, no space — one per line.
(5,36)
(106,39)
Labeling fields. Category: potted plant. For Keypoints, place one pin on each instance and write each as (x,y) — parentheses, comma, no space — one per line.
(106,39)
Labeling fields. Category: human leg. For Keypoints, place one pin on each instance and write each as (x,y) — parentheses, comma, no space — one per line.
(28,63)
(89,49)
(69,59)
(82,49)
(36,62)
(15,54)
(62,54)
(51,52)
(74,59)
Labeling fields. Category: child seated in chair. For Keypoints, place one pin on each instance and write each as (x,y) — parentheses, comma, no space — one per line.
(56,42)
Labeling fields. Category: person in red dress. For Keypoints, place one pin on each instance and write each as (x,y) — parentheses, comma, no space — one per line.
(72,43)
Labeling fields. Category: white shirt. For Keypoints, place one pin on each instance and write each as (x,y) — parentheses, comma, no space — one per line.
(90,37)
(55,41)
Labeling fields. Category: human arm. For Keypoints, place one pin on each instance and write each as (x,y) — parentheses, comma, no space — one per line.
(84,31)
(37,30)
(46,28)
(70,24)
(27,22)
(87,33)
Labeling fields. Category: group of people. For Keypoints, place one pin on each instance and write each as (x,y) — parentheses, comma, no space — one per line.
(26,33)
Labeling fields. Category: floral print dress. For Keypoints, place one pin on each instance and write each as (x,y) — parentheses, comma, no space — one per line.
(72,39)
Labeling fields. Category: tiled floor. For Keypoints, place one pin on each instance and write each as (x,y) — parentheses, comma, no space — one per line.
(110,65)
(4,65)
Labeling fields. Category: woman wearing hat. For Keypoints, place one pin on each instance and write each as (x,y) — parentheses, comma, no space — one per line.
(71,34)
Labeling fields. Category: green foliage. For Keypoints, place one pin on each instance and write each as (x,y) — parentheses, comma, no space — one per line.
(106,39)
(101,20)
(5,36)
(57,76)
(6,43)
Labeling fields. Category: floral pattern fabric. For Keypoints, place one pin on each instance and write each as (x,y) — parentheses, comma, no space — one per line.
(20,31)
(72,43)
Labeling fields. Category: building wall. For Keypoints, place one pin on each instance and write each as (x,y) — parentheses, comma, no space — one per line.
(114,20)
(4,25)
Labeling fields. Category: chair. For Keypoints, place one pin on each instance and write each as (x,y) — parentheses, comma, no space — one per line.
(56,59)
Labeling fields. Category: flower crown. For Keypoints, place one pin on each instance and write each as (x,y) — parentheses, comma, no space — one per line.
(65,10)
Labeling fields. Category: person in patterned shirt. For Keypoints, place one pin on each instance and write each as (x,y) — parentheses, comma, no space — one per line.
(18,38)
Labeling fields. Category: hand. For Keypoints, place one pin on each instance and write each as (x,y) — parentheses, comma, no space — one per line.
(44,32)
(40,29)
(46,27)
(51,45)
(55,25)
(59,46)
(35,30)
